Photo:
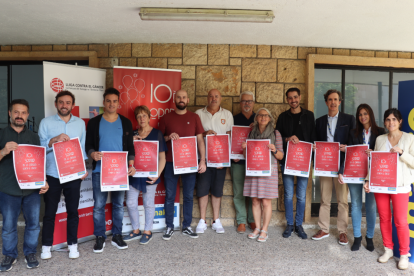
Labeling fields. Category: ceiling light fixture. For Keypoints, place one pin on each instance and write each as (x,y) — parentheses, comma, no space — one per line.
(161,14)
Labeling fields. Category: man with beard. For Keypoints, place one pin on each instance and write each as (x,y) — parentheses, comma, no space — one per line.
(296,124)
(181,123)
(215,120)
(12,198)
(57,128)
(238,167)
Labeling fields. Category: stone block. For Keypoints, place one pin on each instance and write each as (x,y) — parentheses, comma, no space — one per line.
(228,188)
(5,48)
(392,54)
(291,71)
(281,199)
(21,48)
(324,51)
(289,52)
(278,219)
(187,72)
(59,47)
(218,54)
(42,48)
(237,108)
(195,54)
(201,101)
(77,47)
(302,89)
(248,86)
(303,52)
(131,62)
(196,208)
(141,49)
(404,54)
(227,207)
(152,62)
(193,108)
(101,49)
(341,52)
(120,50)
(235,61)
(109,78)
(167,50)
(381,54)
(242,50)
(175,61)
(263,51)
(189,86)
(259,70)
(269,92)
(276,109)
(227,79)
(227,103)
(274,204)
(362,53)
(108,62)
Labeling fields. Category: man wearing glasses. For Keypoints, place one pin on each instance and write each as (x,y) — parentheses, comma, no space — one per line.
(238,167)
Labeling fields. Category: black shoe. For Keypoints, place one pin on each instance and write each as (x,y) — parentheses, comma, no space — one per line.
(31,261)
(99,245)
(118,241)
(288,231)
(370,244)
(189,232)
(168,234)
(357,244)
(7,263)
(300,232)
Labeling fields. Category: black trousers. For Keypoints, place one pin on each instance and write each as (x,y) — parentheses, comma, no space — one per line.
(71,191)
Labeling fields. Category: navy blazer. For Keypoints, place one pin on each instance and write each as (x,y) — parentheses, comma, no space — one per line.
(343,128)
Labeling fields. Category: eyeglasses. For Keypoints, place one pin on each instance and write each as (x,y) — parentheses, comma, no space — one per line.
(263,115)
(249,102)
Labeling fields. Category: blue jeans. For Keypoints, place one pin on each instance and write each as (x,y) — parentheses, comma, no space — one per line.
(10,208)
(99,208)
(170,182)
(356,191)
(302,184)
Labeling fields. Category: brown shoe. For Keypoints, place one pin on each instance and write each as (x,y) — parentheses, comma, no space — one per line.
(320,235)
(252,225)
(241,229)
(343,239)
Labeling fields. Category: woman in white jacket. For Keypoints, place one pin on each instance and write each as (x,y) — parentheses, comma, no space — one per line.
(403,143)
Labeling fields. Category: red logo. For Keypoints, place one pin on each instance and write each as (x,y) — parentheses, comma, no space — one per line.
(57,85)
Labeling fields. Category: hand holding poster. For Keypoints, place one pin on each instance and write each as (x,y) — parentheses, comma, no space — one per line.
(239,135)
(146,158)
(185,155)
(298,159)
(356,164)
(69,160)
(383,176)
(114,171)
(327,159)
(30,166)
(218,150)
(258,158)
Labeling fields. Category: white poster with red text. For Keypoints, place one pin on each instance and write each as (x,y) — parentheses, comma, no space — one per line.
(154,88)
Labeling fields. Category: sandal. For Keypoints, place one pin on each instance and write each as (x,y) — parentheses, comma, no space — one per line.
(261,238)
(253,236)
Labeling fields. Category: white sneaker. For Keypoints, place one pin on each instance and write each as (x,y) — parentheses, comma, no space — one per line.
(218,227)
(201,227)
(403,263)
(388,254)
(73,251)
(46,252)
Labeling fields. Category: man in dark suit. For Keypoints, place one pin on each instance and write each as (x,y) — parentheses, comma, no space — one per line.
(333,127)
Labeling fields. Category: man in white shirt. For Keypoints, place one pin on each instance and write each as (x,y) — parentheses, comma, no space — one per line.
(215,120)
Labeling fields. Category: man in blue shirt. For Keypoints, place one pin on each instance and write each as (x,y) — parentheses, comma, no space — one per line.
(109,132)
(57,128)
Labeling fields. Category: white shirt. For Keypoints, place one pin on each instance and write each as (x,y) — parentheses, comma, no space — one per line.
(366,136)
(332,124)
(220,122)
(404,189)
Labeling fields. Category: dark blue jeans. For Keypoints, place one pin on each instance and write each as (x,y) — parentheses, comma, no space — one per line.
(99,208)
(302,184)
(10,209)
(170,182)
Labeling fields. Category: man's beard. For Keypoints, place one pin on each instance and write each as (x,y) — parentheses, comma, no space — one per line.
(13,122)
(179,107)
(246,109)
(63,114)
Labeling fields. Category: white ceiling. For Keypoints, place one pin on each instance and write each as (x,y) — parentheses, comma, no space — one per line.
(357,24)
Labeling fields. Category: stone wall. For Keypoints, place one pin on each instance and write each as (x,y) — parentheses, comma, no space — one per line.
(266,70)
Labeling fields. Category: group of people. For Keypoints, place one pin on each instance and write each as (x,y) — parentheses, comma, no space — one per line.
(111,131)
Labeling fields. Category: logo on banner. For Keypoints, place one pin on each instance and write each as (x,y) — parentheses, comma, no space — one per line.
(355,154)
(327,149)
(299,149)
(29,155)
(67,149)
(145,149)
(113,160)
(57,85)
(383,161)
(185,146)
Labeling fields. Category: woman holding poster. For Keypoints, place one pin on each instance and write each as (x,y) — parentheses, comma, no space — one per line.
(147,185)
(403,144)
(262,189)
(365,133)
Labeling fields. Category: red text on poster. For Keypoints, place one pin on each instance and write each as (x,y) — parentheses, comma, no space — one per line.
(30,166)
